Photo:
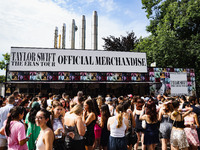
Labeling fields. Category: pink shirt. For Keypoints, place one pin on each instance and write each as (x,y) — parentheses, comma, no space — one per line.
(17,133)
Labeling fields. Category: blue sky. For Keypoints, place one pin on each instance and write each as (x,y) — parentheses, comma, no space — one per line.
(31,23)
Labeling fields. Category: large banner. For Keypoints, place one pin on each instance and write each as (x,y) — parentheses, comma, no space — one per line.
(38,59)
(178,82)
(173,81)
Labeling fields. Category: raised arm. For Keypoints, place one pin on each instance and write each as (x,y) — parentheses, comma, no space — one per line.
(187,112)
(142,116)
(90,118)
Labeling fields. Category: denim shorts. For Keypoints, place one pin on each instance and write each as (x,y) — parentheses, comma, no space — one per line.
(116,143)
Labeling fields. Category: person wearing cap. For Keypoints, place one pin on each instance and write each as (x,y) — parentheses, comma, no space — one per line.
(3,116)
(109,102)
(32,127)
(146,99)
(130,97)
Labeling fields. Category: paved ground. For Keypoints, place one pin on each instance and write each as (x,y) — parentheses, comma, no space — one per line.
(157,148)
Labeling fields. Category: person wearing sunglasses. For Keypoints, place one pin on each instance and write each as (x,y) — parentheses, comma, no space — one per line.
(46,136)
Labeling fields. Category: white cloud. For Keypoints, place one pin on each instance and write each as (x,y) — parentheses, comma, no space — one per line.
(31,23)
(89,1)
(129,13)
(138,27)
(109,5)
(61,2)
(110,28)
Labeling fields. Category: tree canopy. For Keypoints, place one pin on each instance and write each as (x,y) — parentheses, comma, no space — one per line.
(5,61)
(3,64)
(175,34)
(122,43)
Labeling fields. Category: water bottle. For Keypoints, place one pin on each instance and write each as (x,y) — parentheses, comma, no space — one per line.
(59,135)
(99,120)
(85,127)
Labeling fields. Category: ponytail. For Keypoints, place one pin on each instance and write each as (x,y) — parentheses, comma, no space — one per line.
(8,125)
(49,124)
(47,115)
(119,110)
(119,119)
(13,114)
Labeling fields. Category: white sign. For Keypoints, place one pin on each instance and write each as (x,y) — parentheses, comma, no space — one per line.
(38,59)
(178,82)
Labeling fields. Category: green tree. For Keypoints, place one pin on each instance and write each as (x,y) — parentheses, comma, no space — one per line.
(3,64)
(175,34)
(122,43)
(5,61)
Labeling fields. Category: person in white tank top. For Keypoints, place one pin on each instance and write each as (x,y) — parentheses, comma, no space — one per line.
(39,143)
(117,126)
(46,136)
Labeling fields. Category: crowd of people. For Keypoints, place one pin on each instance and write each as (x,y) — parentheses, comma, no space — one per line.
(84,123)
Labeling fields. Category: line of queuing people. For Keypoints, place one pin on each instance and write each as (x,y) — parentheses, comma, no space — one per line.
(85,123)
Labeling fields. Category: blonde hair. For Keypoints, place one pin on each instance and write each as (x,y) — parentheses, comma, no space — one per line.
(99,101)
(72,104)
(119,110)
(56,104)
(77,109)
